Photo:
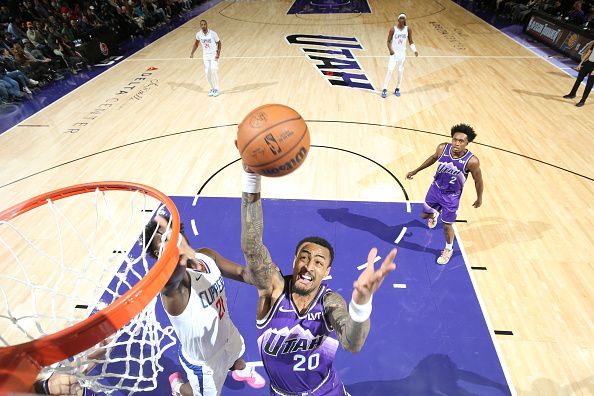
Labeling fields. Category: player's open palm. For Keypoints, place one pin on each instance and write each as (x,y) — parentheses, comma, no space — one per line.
(370,279)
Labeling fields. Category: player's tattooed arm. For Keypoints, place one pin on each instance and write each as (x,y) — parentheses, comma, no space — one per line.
(351,334)
(260,270)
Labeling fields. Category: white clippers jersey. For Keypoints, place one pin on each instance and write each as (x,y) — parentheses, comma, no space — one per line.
(209,43)
(205,326)
(399,41)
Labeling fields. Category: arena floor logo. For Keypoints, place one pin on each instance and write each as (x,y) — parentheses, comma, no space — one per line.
(107,104)
(334,59)
(329,7)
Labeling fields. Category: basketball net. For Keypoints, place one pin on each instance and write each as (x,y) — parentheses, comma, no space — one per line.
(68,260)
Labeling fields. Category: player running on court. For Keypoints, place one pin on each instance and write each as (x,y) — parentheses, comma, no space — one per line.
(454,163)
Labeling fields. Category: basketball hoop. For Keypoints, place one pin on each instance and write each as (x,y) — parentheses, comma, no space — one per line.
(21,363)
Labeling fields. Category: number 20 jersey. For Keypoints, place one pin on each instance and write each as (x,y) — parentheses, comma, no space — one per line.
(298,350)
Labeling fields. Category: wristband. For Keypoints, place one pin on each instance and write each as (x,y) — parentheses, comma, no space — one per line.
(251,182)
(360,312)
(412,47)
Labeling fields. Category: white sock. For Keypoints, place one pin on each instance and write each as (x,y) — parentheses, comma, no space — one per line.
(245,372)
(207,71)
(215,78)
(177,384)
(449,246)
(400,73)
(387,80)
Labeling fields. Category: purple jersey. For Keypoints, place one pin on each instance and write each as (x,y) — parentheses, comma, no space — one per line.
(298,350)
(451,172)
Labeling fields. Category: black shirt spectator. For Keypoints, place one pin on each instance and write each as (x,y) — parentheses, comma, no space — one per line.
(4,14)
(575,15)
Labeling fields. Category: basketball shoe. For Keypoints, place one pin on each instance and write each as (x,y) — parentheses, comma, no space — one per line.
(432,222)
(446,255)
(249,375)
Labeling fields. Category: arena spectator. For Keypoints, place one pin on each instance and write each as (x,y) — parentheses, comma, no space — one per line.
(39,38)
(576,14)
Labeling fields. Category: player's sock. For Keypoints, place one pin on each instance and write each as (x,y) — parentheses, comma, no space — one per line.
(176,383)
(432,222)
(449,246)
(215,79)
(387,80)
(209,79)
(249,375)
(400,74)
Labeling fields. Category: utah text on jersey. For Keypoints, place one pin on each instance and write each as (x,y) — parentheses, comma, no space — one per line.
(280,344)
(334,59)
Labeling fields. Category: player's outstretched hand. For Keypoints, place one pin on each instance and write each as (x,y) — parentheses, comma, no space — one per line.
(410,175)
(477,203)
(370,279)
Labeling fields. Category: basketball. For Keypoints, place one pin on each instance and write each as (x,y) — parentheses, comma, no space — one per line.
(273,140)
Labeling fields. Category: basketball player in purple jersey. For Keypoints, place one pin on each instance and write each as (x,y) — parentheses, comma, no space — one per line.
(300,320)
(454,163)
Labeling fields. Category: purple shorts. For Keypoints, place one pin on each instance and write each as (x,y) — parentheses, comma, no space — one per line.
(332,386)
(445,202)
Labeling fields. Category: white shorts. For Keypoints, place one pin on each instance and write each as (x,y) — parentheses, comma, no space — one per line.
(396,60)
(211,63)
(207,378)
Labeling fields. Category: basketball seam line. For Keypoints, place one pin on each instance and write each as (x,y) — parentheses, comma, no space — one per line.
(284,155)
(264,131)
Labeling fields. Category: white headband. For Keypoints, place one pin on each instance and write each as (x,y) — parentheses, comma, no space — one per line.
(402,16)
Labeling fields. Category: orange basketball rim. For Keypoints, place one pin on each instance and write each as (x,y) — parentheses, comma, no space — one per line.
(20,364)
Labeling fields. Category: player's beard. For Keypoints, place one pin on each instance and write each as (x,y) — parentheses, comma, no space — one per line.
(304,291)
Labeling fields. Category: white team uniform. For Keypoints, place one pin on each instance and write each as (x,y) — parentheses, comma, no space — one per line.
(210,342)
(209,47)
(399,40)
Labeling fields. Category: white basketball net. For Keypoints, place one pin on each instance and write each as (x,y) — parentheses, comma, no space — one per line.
(70,258)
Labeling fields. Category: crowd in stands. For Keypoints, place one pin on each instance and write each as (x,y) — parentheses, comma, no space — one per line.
(39,38)
(576,12)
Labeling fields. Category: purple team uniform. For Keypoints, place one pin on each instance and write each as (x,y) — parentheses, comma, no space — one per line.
(445,191)
(298,350)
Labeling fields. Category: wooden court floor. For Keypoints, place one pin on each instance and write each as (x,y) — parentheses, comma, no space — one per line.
(149,120)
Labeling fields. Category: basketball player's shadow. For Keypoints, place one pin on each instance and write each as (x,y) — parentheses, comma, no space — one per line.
(435,375)
(248,87)
(557,97)
(189,86)
(547,386)
(502,230)
(380,229)
(431,86)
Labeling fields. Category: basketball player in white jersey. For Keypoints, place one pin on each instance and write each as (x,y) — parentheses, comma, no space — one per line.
(195,302)
(397,37)
(211,50)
